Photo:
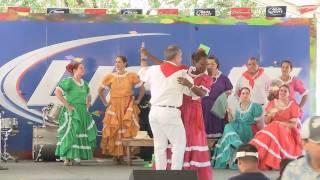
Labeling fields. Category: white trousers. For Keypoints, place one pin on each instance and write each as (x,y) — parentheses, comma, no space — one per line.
(166,124)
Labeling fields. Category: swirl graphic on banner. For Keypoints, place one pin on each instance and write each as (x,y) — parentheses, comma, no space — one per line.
(12,72)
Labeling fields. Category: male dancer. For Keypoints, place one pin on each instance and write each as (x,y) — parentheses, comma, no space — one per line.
(168,82)
(256,79)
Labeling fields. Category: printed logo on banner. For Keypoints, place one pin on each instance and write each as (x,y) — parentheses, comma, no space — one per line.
(168,12)
(307,8)
(95,11)
(12,99)
(58,10)
(130,11)
(276,11)
(18,9)
(241,13)
(205,12)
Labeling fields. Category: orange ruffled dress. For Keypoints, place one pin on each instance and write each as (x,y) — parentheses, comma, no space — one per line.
(121,116)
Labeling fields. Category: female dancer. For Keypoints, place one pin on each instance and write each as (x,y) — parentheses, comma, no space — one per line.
(77,130)
(121,118)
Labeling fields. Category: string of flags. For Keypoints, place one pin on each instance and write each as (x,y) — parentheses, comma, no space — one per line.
(238,12)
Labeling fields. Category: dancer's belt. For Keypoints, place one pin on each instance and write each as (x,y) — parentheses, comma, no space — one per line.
(167,106)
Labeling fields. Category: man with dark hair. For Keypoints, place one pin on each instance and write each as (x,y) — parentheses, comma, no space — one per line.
(307,167)
(256,79)
(247,159)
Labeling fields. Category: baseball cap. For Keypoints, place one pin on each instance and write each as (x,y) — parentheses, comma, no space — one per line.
(311,129)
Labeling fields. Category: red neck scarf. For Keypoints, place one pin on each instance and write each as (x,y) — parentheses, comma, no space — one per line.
(250,78)
(168,68)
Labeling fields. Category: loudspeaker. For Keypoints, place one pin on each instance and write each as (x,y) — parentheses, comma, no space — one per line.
(44,143)
(163,175)
(44,152)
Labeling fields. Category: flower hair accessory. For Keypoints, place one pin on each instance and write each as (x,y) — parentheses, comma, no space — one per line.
(69,68)
(73,61)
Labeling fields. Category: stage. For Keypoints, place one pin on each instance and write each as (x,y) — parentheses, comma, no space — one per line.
(90,170)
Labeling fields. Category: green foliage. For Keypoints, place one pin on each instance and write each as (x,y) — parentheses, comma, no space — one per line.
(185,6)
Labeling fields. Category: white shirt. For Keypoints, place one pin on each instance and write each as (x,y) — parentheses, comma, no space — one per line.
(165,91)
(259,92)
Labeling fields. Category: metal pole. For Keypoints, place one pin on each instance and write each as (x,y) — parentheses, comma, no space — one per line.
(1,167)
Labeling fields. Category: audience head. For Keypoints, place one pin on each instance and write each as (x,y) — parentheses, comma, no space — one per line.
(247,157)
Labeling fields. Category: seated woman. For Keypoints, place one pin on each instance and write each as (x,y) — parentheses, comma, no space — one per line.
(280,139)
(237,132)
